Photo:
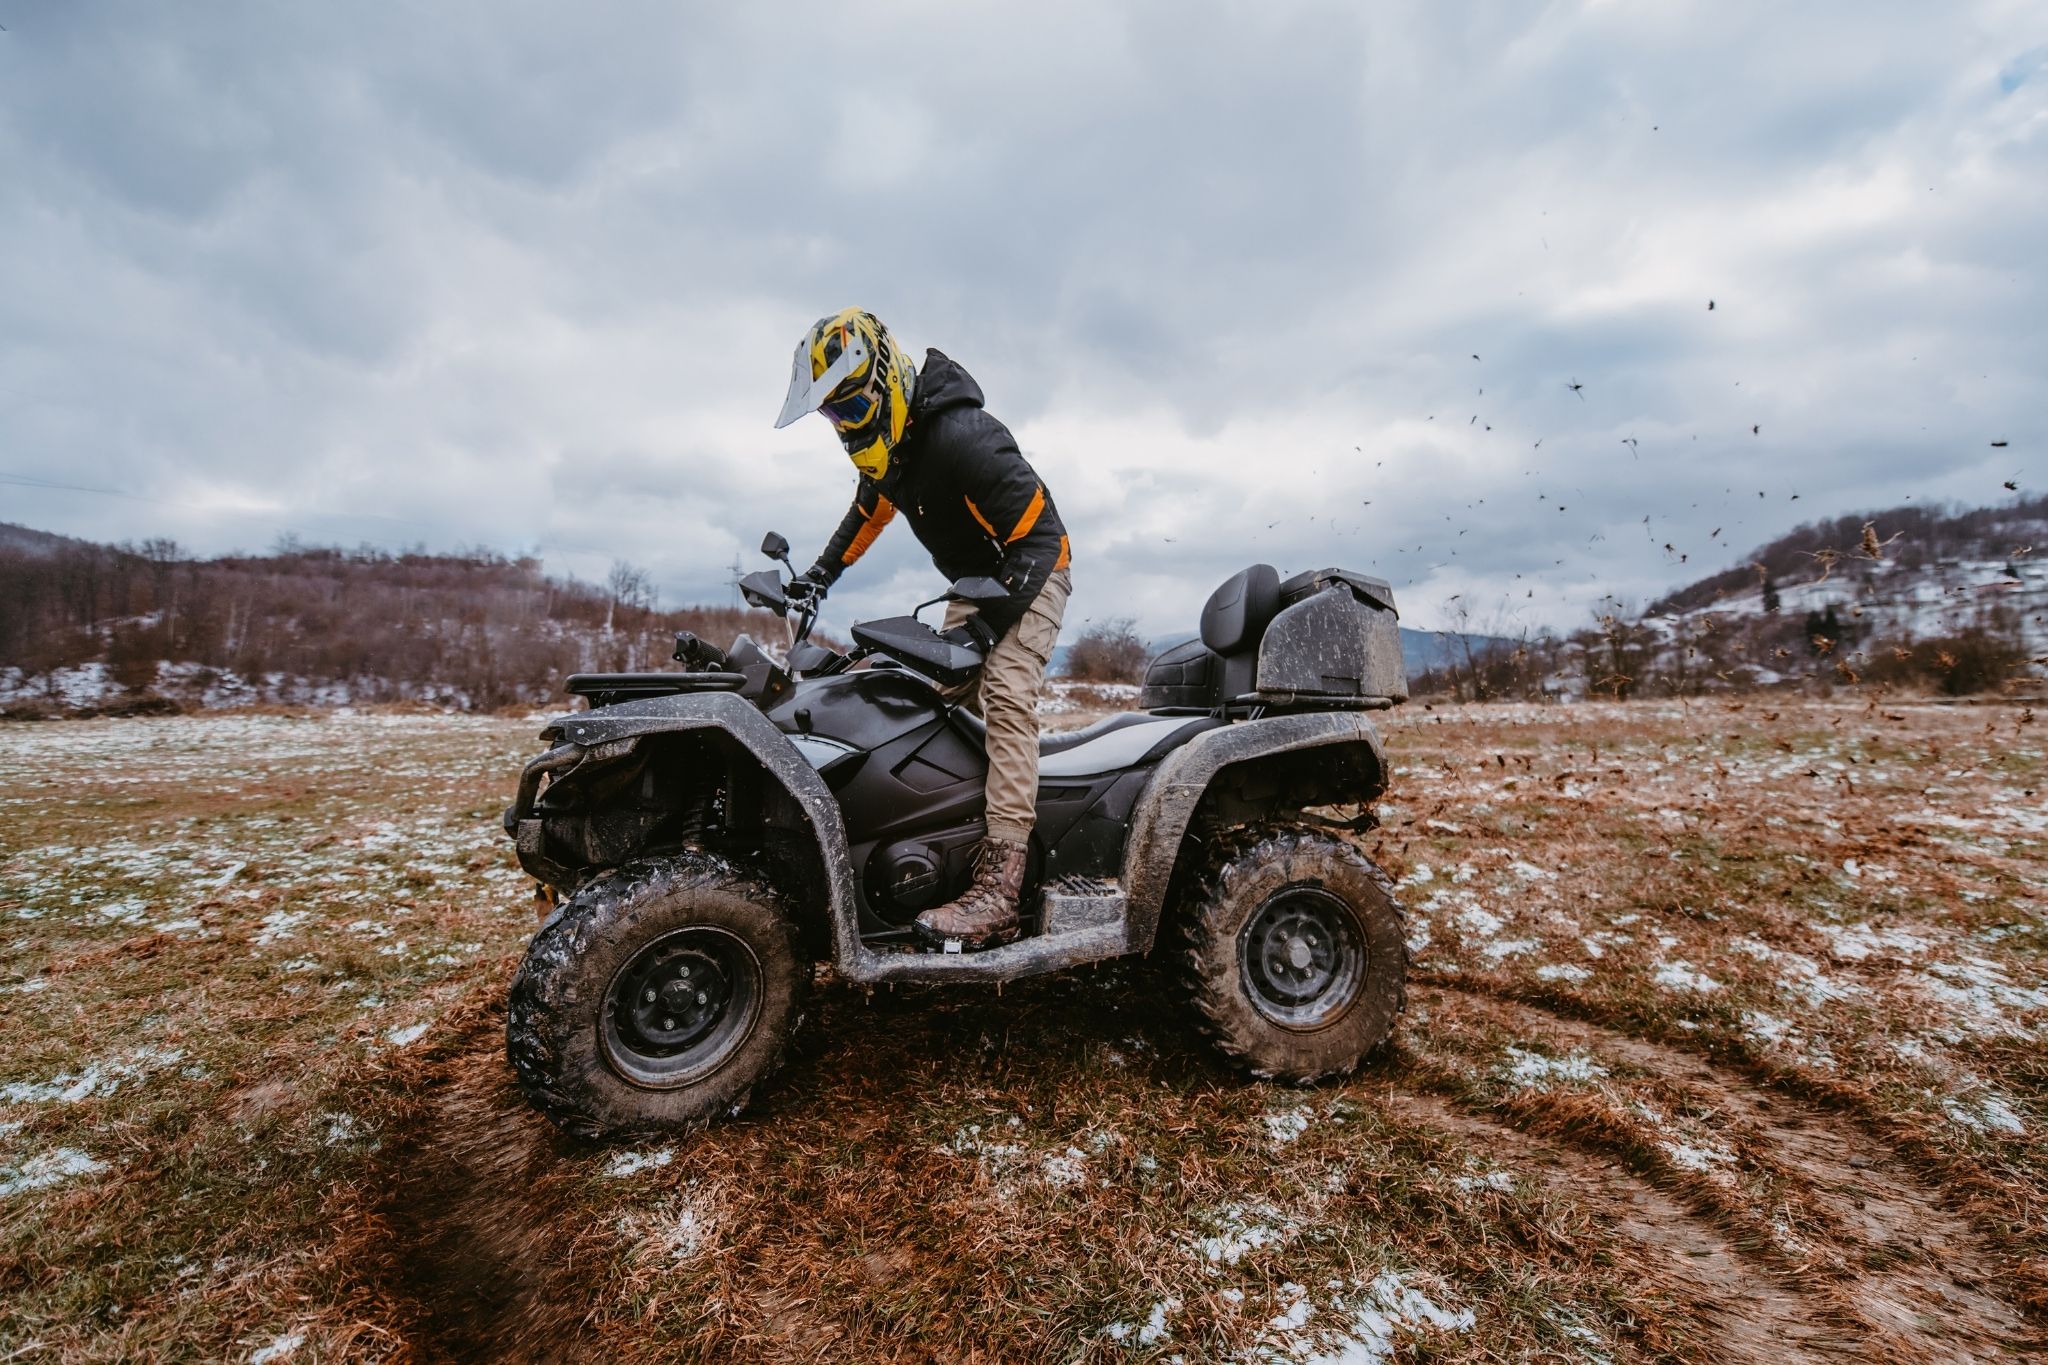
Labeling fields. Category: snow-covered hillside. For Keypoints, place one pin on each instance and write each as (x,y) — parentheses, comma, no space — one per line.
(1891,601)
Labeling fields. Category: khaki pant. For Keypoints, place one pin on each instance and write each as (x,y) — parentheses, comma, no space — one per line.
(1005,696)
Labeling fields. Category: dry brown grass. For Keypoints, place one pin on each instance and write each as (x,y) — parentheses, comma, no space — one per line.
(1726,1044)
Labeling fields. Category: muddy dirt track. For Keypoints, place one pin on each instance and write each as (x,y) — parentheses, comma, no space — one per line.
(1886,1269)
(1725,1043)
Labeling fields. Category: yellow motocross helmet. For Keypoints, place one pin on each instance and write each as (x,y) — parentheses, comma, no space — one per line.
(850,369)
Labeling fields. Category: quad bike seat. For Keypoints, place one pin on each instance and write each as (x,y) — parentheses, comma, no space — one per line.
(1119,741)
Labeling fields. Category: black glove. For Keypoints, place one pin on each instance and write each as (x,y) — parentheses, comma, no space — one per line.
(809,586)
(975,634)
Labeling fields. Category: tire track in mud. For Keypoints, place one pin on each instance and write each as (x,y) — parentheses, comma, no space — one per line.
(475,1260)
(1752,1314)
(1914,1274)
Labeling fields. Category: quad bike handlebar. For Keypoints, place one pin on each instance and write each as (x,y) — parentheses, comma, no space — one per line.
(769,590)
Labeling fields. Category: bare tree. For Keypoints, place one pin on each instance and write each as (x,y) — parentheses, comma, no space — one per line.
(1109,651)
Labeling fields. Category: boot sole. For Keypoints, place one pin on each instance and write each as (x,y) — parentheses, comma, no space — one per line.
(933,941)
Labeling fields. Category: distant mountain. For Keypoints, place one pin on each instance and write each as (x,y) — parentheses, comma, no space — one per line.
(24,540)
(1423,650)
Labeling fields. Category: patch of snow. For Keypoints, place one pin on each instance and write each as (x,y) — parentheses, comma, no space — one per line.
(1534,1070)
(1682,975)
(1155,1329)
(1977,990)
(410,1034)
(279,1348)
(684,1235)
(1062,1169)
(1508,947)
(1768,1028)
(1480,923)
(1499,1181)
(1418,933)
(1298,1311)
(279,924)
(624,1164)
(1860,941)
(1242,1228)
(96,1079)
(48,1168)
(1985,1114)
(1285,1126)
(1687,1157)
(1563,971)
(1803,976)
(1377,1312)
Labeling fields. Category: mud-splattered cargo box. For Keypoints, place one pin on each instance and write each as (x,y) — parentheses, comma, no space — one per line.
(1325,637)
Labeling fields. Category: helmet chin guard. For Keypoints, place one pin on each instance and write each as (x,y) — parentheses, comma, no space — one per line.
(849,368)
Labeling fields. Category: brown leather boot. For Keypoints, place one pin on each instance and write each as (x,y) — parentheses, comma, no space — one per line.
(985,916)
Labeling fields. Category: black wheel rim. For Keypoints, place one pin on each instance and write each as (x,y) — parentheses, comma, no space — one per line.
(681,1007)
(1302,958)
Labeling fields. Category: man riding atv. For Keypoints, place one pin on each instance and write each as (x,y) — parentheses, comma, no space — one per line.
(925,446)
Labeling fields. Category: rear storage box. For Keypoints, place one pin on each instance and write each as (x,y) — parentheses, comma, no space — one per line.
(1337,634)
(1327,638)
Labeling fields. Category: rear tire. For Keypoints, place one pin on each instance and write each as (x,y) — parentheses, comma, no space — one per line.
(656,998)
(1292,956)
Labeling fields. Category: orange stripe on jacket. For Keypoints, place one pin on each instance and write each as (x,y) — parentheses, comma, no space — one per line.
(877,519)
(1030,517)
(977,515)
(1061,563)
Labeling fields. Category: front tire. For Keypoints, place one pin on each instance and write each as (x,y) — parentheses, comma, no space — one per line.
(656,998)
(1292,957)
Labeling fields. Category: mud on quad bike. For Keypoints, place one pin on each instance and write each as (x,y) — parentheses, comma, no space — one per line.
(704,837)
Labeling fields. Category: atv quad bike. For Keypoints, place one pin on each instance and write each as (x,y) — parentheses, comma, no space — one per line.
(703,838)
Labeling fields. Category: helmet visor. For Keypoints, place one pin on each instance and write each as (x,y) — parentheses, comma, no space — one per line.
(808,392)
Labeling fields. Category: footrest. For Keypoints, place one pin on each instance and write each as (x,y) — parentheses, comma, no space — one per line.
(1075,902)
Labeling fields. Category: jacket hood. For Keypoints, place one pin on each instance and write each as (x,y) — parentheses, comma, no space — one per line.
(942,384)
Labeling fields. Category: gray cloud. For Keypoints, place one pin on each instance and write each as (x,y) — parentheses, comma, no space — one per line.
(529,277)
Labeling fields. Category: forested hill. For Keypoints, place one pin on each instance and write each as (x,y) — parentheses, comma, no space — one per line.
(1908,538)
(82,623)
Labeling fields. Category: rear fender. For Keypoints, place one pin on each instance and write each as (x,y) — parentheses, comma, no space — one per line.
(1342,749)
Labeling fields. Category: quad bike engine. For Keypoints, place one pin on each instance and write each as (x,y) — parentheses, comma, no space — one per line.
(915,874)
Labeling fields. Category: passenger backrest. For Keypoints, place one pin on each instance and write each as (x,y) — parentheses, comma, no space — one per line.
(1239,611)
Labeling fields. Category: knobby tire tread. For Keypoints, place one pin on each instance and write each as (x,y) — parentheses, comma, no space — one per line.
(1208,994)
(536,1003)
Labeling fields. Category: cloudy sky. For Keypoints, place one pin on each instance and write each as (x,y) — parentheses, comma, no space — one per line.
(1307,283)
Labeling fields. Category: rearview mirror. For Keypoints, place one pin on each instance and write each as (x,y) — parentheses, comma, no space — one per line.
(775,547)
(976,590)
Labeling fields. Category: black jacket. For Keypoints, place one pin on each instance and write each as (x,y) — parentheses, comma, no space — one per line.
(971,499)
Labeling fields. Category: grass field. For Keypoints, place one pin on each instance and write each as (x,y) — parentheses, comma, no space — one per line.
(1726,1042)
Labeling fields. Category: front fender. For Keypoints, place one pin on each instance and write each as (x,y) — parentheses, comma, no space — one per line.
(1170,799)
(738,719)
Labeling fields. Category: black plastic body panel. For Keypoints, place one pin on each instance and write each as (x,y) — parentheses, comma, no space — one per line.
(865,708)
